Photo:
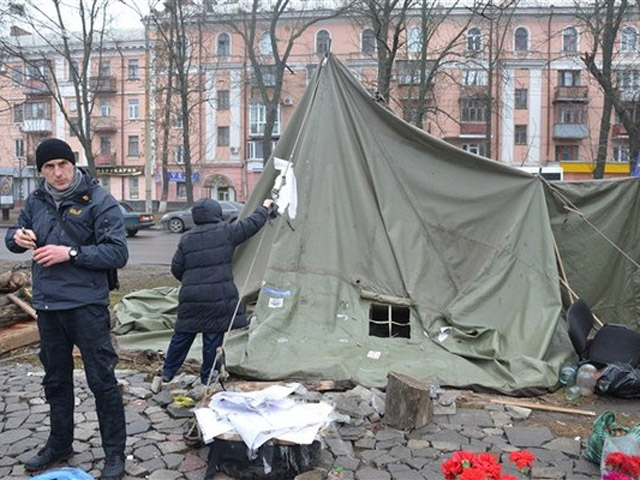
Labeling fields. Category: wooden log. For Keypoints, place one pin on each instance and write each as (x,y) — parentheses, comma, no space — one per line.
(408,402)
(23,305)
(18,336)
(12,281)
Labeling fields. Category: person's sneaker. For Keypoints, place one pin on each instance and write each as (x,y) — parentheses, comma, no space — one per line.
(166,378)
(113,467)
(45,458)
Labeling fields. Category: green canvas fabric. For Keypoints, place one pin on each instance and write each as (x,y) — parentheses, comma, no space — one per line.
(391,217)
(386,209)
(597,229)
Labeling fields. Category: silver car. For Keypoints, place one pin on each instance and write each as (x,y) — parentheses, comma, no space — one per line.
(181,220)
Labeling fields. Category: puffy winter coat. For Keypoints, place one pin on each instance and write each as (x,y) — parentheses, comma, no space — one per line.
(202,262)
(94,217)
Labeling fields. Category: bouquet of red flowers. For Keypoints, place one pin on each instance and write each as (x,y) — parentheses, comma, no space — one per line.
(465,465)
(621,466)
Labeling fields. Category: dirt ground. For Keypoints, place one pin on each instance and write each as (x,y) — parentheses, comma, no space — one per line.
(627,412)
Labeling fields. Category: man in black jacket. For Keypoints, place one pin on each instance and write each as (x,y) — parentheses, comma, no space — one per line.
(71,297)
(208,296)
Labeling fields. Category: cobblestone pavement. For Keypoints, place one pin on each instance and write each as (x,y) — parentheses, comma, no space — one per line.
(360,443)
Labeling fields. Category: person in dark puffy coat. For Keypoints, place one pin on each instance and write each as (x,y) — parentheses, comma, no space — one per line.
(208,295)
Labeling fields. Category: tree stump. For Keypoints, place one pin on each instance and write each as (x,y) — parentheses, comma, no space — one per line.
(408,402)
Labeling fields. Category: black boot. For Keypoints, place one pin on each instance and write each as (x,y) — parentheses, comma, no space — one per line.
(113,467)
(46,458)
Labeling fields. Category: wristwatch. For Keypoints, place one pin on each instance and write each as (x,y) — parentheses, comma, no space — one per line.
(73,254)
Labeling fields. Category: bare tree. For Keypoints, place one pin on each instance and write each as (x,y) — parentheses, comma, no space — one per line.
(41,40)
(268,45)
(602,21)
(426,56)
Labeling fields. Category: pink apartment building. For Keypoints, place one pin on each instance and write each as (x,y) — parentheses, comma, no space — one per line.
(545,112)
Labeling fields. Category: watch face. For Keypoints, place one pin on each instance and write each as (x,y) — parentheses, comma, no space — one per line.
(73,253)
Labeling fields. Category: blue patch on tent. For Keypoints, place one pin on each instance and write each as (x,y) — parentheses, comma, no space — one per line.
(277,293)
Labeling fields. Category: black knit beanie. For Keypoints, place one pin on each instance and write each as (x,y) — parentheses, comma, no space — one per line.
(53,149)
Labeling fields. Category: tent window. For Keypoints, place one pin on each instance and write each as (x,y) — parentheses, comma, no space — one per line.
(389,321)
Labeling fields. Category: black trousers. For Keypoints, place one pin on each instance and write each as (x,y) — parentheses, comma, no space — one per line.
(86,327)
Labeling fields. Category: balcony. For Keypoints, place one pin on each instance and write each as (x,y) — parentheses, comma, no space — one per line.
(571,94)
(472,130)
(474,91)
(104,124)
(570,131)
(101,85)
(105,160)
(35,88)
(37,125)
(618,130)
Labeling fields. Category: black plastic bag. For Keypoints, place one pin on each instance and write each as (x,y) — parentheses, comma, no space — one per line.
(620,380)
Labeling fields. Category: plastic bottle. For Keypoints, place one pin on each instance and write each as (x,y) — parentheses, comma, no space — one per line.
(586,379)
(571,393)
(568,374)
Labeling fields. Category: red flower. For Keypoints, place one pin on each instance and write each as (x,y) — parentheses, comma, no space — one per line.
(489,464)
(473,473)
(522,459)
(506,476)
(623,463)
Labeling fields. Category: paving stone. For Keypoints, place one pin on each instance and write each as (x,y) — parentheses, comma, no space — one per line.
(12,436)
(566,445)
(528,436)
(164,475)
(350,463)
(372,474)
(339,447)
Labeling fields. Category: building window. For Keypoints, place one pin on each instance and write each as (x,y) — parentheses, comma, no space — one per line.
(133,146)
(268,76)
(621,153)
(134,109)
(571,114)
(629,40)
(16,76)
(133,188)
(73,69)
(521,135)
(18,148)
(569,78)
(323,42)
(223,99)
(570,40)
(265,44)
(105,108)
(105,145)
(477,148)
(389,321)
(178,120)
(104,69)
(414,40)
(258,119)
(178,154)
(181,189)
(368,42)
(475,77)
(73,105)
(37,111)
(223,48)
(474,40)
(223,136)
(255,149)
(18,113)
(628,80)
(134,69)
(408,72)
(521,40)
(474,110)
(566,153)
(521,98)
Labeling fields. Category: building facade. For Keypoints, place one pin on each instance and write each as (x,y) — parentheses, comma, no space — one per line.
(516,91)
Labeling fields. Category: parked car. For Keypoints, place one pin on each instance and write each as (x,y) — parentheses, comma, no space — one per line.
(181,220)
(134,221)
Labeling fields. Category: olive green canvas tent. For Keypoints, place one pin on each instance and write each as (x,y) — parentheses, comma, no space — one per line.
(405,253)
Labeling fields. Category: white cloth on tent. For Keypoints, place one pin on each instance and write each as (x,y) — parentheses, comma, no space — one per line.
(263,415)
(285,185)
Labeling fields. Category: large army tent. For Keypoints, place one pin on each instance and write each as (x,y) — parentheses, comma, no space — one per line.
(408,254)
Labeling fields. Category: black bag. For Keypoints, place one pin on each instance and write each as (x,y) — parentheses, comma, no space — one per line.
(620,380)
(112,273)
